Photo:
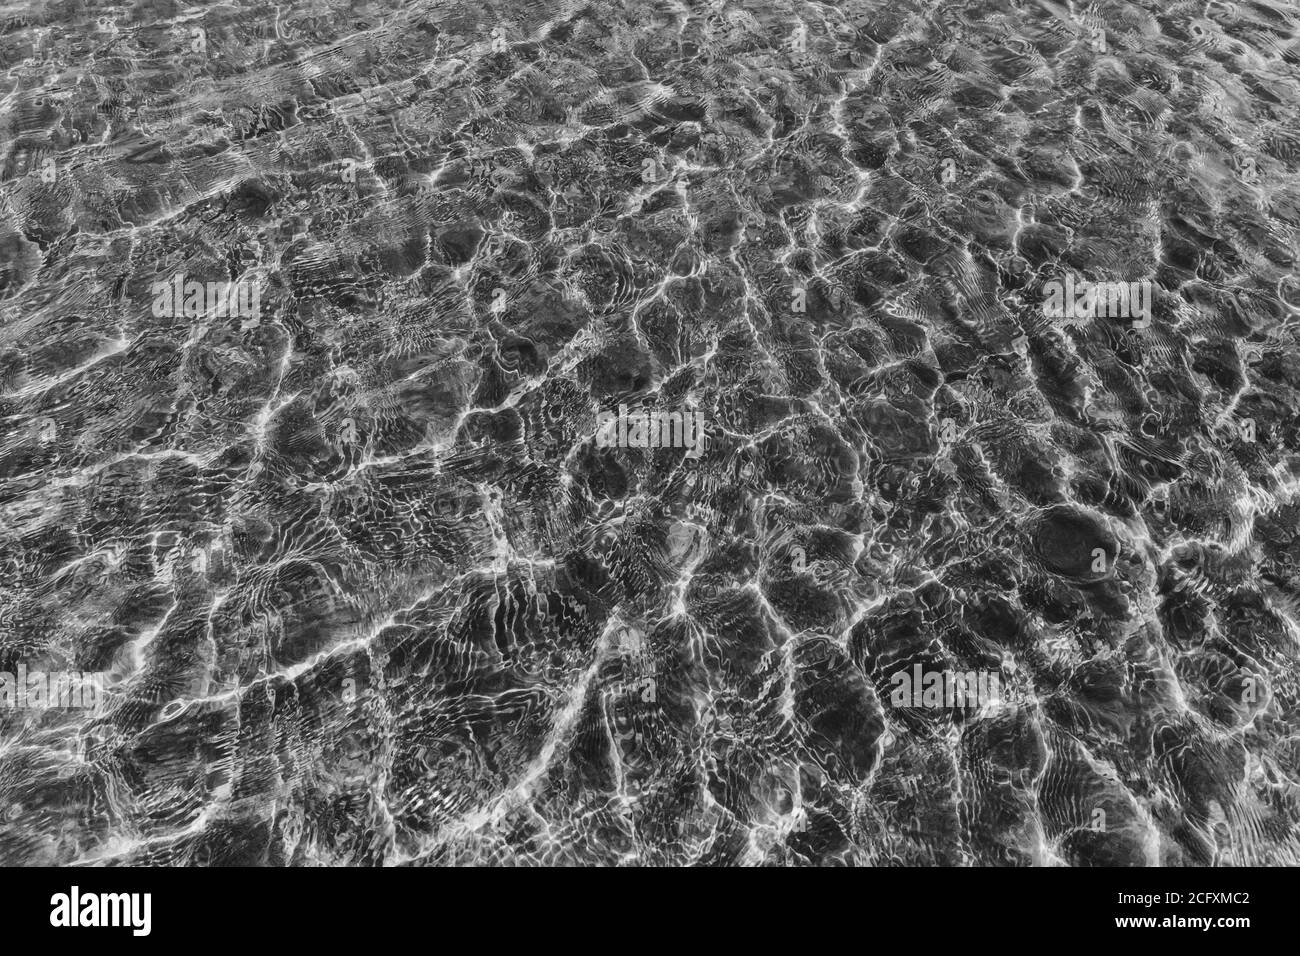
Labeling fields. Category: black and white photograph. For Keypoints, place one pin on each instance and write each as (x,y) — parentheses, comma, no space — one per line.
(650,434)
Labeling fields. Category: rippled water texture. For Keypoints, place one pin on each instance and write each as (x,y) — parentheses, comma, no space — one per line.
(363,588)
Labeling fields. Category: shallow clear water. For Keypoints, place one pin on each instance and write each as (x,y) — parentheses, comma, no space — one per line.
(362,578)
